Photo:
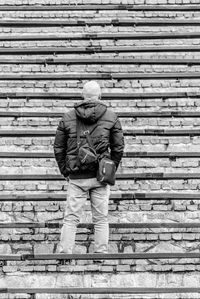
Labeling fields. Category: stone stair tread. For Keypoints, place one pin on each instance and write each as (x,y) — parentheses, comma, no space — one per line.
(42,6)
(108,290)
(114,196)
(117,225)
(97,256)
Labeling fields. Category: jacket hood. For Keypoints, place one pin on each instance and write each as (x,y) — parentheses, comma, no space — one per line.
(90,111)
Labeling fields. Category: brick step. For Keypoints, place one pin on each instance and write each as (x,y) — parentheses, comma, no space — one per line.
(135,225)
(150,213)
(138,114)
(180,257)
(147,85)
(139,143)
(105,95)
(154,48)
(52,82)
(37,207)
(121,4)
(42,123)
(109,71)
(49,13)
(100,76)
(183,168)
(20,118)
(142,185)
(117,196)
(110,290)
(99,7)
(109,269)
(100,60)
(122,240)
(143,114)
(127,230)
(49,167)
(104,292)
(98,49)
(121,102)
(140,208)
(89,2)
(72,85)
(47,104)
(40,82)
(45,240)
(101,22)
(127,132)
(182,33)
(43,109)
(40,241)
(97,256)
(122,176)
(124,231)
(166,154)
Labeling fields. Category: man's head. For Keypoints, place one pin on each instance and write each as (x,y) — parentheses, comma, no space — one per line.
(91,91)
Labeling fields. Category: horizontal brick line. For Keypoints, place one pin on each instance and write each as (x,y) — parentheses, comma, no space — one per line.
(97,256)
(44,7)
(125,176)
(137,132)
(120,114)
(113,196)
(100,22)
(100,76)
(90,49)
(108,290)
(155,154)
(170,155)
(186,75)
(111,95)
(93,61)
(136,225)
(94,36)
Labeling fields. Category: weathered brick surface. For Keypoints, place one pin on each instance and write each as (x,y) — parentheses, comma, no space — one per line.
(105,280)
(97,68)
(100,29)
(49,166)
(51,123)
(138,85)
(118,273)
(117,2)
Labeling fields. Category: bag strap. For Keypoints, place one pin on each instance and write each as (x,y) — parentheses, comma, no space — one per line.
(88,137)
(86,132)
(78,131)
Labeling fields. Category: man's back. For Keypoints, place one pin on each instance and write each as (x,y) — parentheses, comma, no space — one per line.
(105,131)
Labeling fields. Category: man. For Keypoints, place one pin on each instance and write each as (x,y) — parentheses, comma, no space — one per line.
(107,138)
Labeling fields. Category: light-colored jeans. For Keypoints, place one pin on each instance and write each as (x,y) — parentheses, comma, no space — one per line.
(77,194)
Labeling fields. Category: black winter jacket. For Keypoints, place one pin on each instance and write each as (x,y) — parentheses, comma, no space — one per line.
(105,131)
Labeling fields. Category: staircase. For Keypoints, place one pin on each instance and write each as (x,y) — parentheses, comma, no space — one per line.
(145,54)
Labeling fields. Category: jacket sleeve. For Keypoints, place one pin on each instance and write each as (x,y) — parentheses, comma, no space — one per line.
(116,142)
(60,146)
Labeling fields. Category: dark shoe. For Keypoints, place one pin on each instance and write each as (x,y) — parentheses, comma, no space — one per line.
(99,262)
(65,262)
(62,261)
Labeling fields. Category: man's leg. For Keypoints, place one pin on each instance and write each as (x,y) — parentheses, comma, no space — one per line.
(99,196)
(76,197)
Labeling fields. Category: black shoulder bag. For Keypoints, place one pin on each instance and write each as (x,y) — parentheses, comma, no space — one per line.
(87,154)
